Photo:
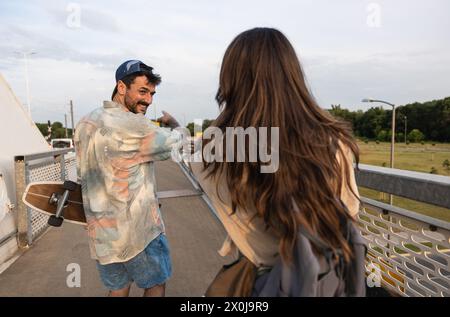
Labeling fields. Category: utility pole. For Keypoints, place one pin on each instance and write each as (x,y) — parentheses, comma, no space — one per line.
(392,139)
(71,116)
(65,125)
(406,122)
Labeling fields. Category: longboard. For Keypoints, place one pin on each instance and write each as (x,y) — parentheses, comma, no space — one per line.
(62,201)
(59,200)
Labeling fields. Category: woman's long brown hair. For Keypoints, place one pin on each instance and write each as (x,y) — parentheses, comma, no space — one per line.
(262,85)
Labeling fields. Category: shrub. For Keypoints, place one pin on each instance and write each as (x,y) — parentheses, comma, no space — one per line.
(446,164)
(415,136)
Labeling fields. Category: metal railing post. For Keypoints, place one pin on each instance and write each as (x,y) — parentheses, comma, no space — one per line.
(23,223)
(63,167)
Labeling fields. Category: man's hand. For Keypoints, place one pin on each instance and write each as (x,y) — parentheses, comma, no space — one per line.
(168,120)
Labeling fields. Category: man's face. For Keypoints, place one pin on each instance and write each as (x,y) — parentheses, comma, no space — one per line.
(140,95)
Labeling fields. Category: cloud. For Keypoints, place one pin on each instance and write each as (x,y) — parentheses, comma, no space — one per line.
(18,39)
(401,77)
(406,59)
(89,18)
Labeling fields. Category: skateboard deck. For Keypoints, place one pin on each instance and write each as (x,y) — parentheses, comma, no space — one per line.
(62,201)
(44,197)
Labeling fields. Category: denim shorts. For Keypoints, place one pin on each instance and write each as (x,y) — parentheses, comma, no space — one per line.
(149,268)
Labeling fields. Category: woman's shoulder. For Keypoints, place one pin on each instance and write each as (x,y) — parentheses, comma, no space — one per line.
(345,152)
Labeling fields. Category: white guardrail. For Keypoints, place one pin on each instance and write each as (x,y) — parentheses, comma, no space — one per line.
(411,251)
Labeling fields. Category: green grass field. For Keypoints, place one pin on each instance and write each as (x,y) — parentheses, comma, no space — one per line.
(413,157)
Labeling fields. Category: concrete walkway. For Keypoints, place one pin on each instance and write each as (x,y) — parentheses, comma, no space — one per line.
(194,235)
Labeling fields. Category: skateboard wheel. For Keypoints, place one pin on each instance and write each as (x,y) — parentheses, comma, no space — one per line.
(69,185)
(55,222)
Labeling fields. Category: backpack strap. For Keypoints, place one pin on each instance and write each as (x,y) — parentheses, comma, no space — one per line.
(324,249)
(319,243)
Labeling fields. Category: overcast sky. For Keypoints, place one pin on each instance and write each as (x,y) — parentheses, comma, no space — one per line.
(396,50)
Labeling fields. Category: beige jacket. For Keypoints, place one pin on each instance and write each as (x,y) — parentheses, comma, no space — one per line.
(259,245)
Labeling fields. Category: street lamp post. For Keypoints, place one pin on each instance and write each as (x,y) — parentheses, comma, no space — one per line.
(26,78)
(391,198)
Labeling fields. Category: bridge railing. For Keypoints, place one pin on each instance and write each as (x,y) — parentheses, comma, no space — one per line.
(408,250)
(52,165)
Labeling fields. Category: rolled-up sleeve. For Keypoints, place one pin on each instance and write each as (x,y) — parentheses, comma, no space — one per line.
(127,148)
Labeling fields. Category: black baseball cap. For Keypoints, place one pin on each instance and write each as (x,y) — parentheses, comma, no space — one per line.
(130,67)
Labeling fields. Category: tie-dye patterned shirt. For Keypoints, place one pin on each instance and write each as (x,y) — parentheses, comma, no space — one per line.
(115,153)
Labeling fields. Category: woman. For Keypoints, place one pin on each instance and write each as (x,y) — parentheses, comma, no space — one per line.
(262,85)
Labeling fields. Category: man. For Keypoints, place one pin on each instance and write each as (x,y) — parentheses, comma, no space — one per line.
(116,146)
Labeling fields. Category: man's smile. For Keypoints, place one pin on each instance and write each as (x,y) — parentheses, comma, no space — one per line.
(141,108)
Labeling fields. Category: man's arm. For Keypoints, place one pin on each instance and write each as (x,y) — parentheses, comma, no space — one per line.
(138,141)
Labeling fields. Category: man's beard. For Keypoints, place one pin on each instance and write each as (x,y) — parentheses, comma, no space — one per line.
(133,107)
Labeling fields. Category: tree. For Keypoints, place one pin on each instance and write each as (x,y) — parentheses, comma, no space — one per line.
(383,136)
(190,127)
(446,165)
(415,136)
(399,137)
(344,114)
(371,122)
(43,128)
(431,118)
(58,133)
(206,124)
(56,125)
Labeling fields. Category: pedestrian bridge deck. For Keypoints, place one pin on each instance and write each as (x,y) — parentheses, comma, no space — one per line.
(194,234)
